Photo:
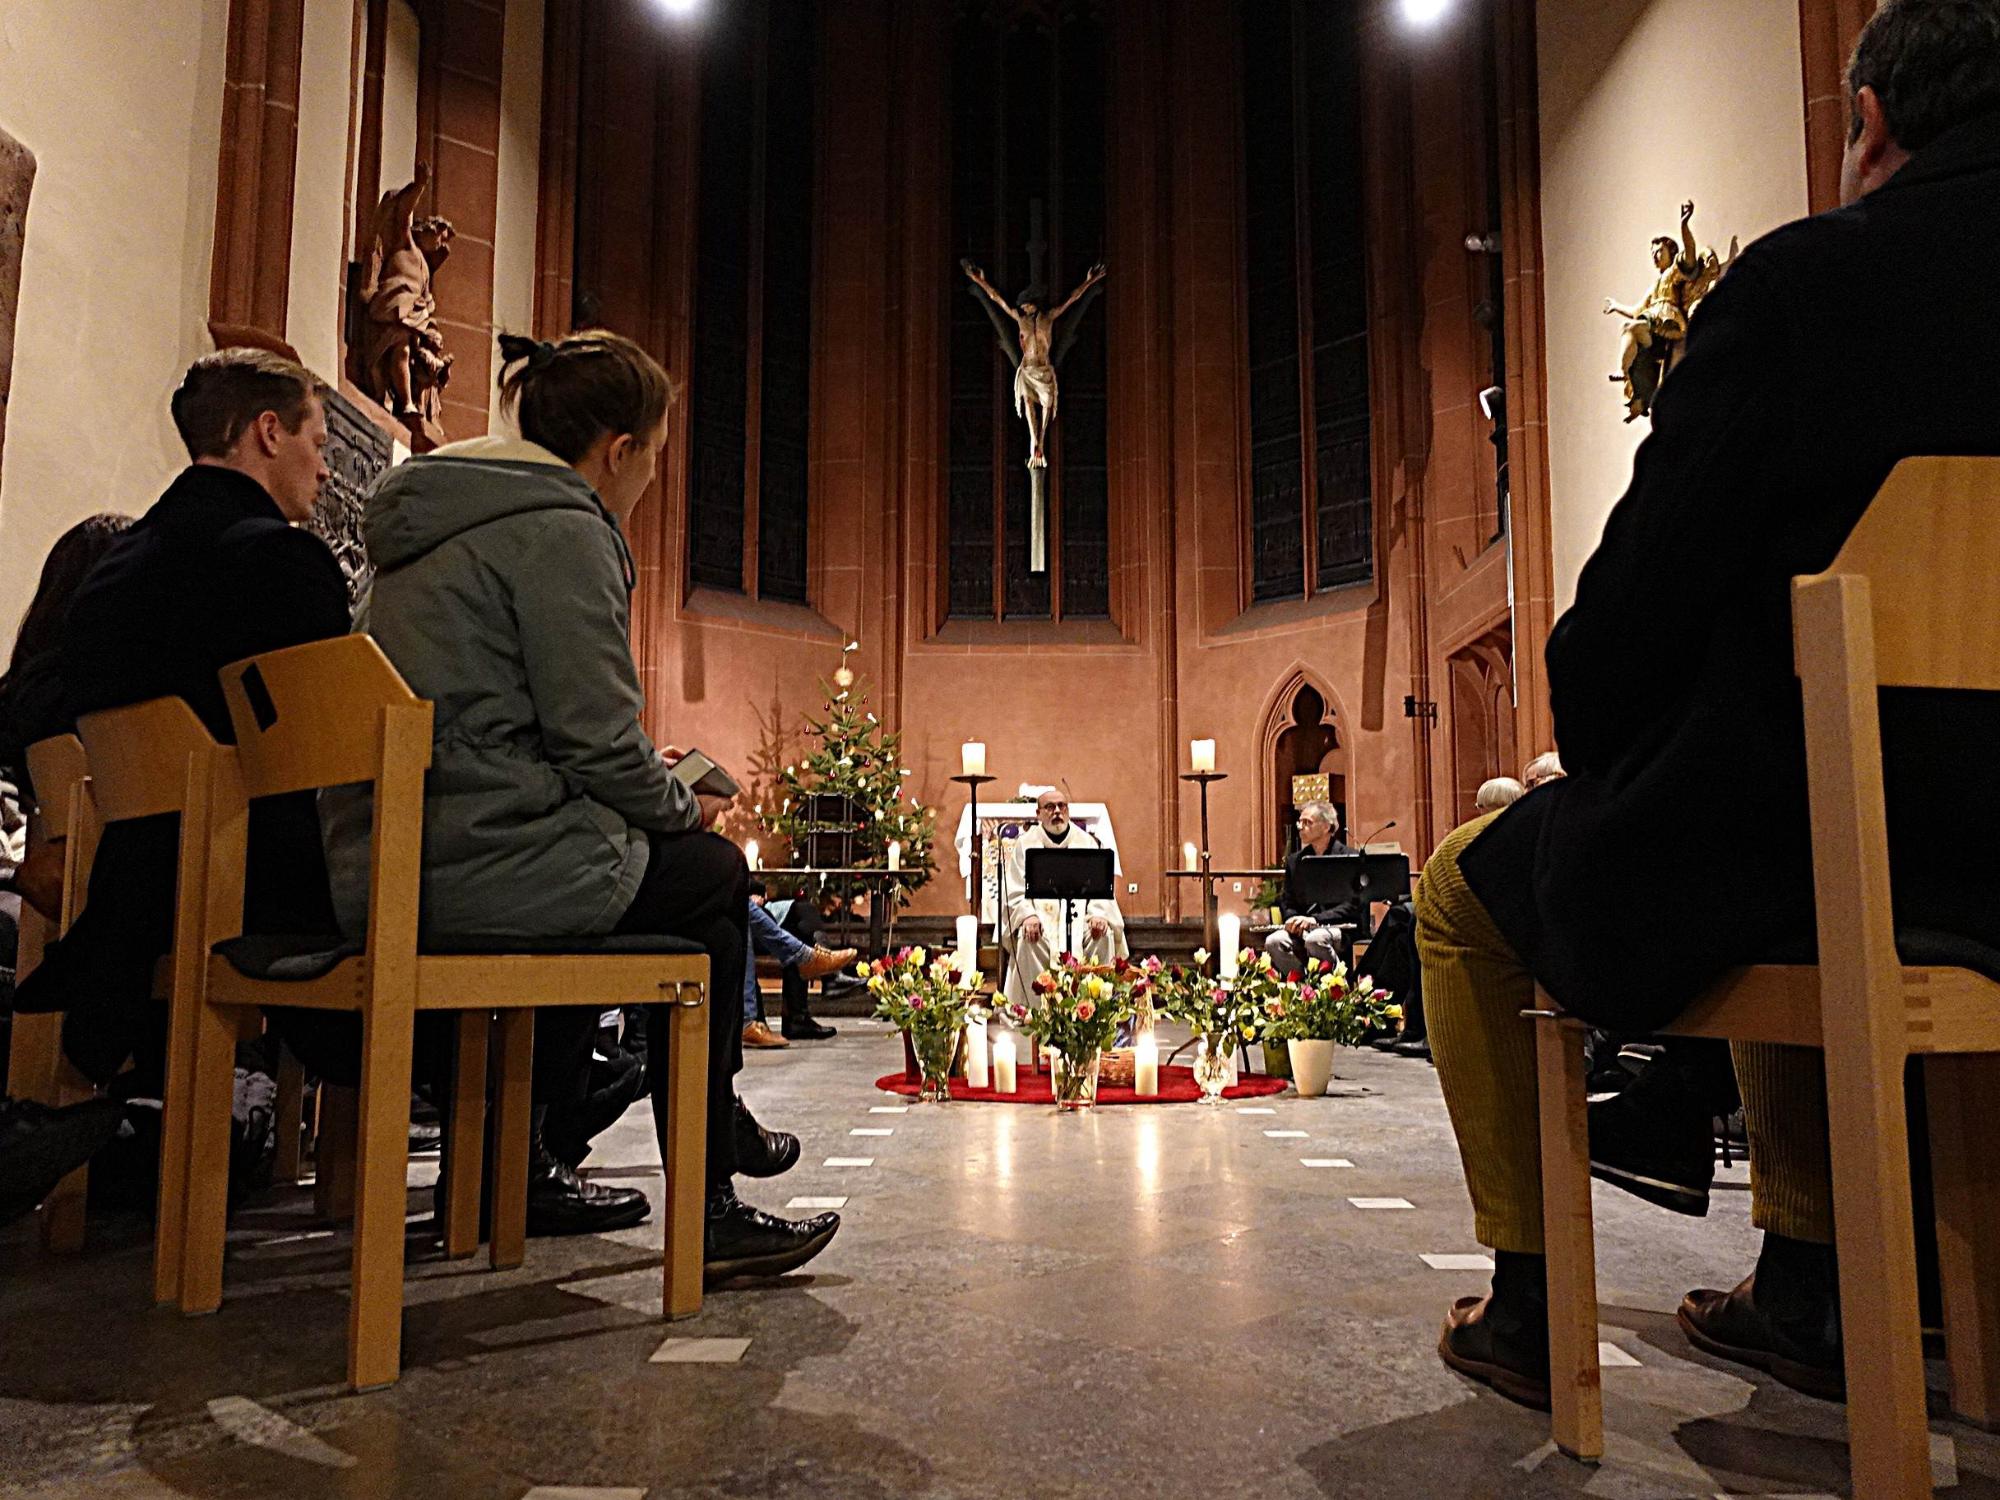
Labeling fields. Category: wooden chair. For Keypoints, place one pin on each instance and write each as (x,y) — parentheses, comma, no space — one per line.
(333,713)
(35,1066)
(1910,602)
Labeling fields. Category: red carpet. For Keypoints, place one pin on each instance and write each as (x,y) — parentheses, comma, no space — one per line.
(1177,1086)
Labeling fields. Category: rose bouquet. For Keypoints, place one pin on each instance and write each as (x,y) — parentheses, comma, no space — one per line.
(927,999)
(1321,1009)
(1081,1008)
(1222,1012)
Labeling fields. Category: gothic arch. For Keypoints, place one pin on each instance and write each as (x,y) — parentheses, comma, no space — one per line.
(1303,729)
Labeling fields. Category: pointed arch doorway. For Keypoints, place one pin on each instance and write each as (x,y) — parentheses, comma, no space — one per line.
(1302,737)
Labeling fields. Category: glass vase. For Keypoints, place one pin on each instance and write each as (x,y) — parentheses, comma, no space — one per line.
(1211,1067)
(1074,1081)
(934,1051)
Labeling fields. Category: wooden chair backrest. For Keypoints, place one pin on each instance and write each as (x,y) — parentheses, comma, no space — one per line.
(56,765)
(139,757)
(1929,548)
(311,716)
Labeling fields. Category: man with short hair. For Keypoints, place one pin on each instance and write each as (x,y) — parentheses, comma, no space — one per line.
(1312,931)
(1834,348)
(1034,929)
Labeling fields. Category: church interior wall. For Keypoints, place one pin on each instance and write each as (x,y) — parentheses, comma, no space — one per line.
(1646,103)
(115,268)
(317,300)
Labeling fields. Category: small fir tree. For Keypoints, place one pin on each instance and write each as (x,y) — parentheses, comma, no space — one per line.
(855,757)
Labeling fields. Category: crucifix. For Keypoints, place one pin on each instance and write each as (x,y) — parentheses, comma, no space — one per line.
(1035,348)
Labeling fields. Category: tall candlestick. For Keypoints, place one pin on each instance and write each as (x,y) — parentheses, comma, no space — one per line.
(895,856)
(972,758)
(1229,934)
(1202,753)
(1146,1066)
(975,1054)
(1004,1079)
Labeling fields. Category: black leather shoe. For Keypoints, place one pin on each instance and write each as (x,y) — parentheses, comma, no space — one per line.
(1656,1140)
(1783,1318)
(559,1202)
(761,1152)
(739,1240)
(1415,1047)
(40,1146)
(836,985)
(1502,1340)
(803,1028)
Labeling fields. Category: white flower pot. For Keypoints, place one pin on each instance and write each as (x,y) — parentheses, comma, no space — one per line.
(1312,1066)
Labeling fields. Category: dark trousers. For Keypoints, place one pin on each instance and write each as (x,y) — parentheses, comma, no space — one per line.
(698,887)
(801,920)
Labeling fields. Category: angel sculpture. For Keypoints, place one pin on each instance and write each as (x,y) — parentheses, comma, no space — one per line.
(1655,328)
(1035,349)
(403,363)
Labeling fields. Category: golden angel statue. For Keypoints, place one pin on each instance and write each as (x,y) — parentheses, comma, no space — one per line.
(1654,328)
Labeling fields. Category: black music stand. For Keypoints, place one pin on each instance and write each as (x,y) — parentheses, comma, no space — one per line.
(1329,879)
(1069,876)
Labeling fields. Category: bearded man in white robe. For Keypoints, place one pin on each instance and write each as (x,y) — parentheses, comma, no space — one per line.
(1034,929)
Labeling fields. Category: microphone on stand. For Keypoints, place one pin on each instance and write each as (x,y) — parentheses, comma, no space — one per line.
(1377,834)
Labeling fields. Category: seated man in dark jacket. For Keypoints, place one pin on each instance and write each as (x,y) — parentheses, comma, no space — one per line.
(215,571)
(1321,932)
(1834,348)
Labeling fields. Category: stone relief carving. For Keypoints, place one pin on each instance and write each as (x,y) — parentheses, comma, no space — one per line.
(357,453)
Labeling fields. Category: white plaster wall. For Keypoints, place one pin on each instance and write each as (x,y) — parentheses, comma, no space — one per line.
(519,195)
(122,106)
(1645,103)
(327,69)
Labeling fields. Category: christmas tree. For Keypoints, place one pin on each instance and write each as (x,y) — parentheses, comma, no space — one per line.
(856,758)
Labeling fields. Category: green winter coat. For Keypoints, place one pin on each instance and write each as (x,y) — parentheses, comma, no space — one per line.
(501,593)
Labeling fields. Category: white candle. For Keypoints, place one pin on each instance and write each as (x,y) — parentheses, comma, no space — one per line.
(895,856)
(975,1054)
(1146,1066)
(968,946)
(1229,937)
(752,857)
(1191,855)
(973,758)
(1202,752)
(1004,1081)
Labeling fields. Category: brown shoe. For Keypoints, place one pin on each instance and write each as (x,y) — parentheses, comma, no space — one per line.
(1473,1346)
(1731,1325)
(757,1034)
(824,961)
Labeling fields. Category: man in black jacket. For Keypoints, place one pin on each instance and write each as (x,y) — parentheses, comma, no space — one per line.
(1834,348)
(1312,931)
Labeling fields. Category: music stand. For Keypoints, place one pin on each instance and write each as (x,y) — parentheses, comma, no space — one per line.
(1070,875)
(1320,880)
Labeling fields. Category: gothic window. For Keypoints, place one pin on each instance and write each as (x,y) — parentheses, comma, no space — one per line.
(749,387)
(1027,204)
(1311,525)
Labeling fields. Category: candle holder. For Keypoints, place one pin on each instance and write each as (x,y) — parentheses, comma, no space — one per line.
(972,784)
(1202,779)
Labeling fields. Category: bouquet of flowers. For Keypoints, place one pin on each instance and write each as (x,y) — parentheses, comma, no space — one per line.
(1081,1006)
(1223,1010)
(1324,1005)
(927,998)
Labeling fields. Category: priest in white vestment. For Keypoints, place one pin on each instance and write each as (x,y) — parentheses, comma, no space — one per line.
(1034,929)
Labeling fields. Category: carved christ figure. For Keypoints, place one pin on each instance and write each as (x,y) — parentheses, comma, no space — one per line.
(1034,364)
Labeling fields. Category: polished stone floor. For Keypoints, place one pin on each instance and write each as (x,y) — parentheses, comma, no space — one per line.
(1149,1301)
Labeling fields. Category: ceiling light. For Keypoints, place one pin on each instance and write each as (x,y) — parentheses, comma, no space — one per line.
(1425,12)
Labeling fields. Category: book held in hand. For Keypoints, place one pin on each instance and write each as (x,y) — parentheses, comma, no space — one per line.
(703,776)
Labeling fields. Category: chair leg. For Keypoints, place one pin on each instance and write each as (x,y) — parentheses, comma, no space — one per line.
(1576,1392)
(381,1202)
(65,1209)
(202,1211)
(1961,1091)
(186,1016)
(290,1113)
(465,1137)
(1888,1436)
(513,1102)
(686,1164)
(333,1153)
